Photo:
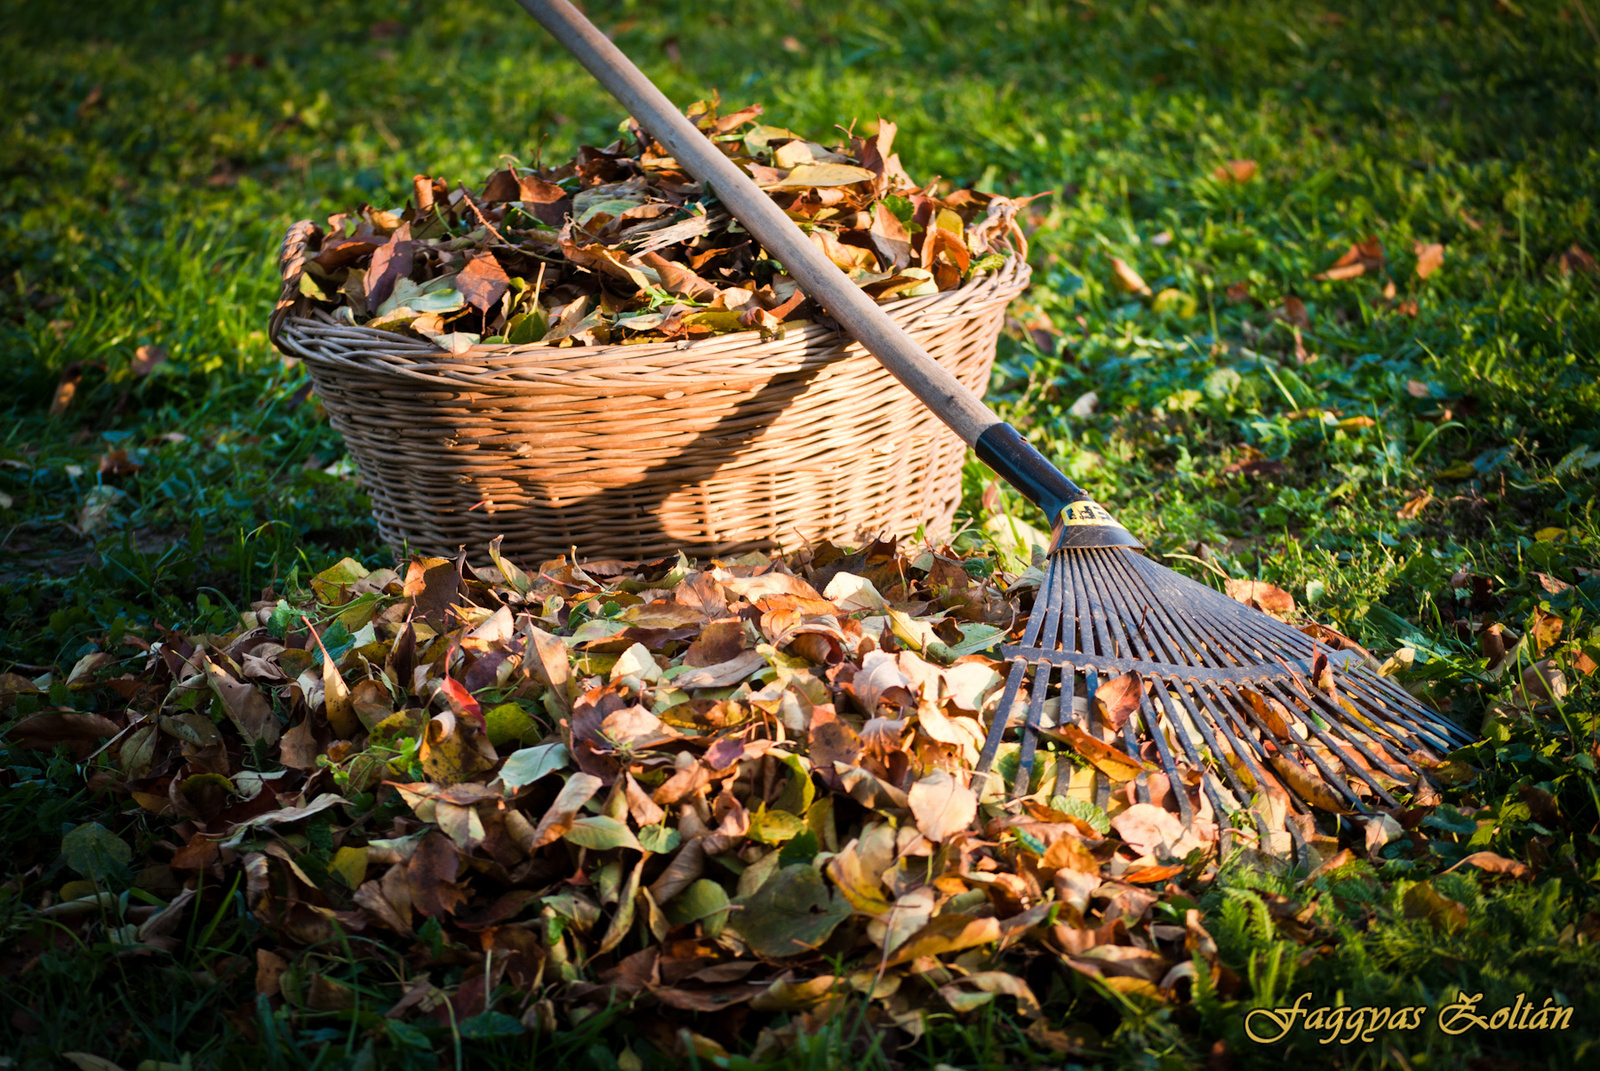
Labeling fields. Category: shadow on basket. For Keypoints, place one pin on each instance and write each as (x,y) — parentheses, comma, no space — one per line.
(635,452)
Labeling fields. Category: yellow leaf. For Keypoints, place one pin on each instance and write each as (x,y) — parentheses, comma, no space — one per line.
(349,865)
(1113,762)
(451,752)
(947,933)
(807,175)
(950,221)
(1308,786)
(1127,279)
(336,694)
(855,880)
(1549,535)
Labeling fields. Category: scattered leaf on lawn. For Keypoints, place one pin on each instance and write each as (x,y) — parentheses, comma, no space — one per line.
(1491,863)
(1235,171)
(1127,279)
(1364,256)
(1423,901)
(1430,255)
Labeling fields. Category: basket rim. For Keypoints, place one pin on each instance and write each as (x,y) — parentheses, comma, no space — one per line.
(733,356)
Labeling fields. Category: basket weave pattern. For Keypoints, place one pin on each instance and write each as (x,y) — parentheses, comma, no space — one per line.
(712,447)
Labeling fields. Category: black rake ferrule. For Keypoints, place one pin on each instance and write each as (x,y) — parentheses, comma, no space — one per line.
(1015,461)
(1076,520)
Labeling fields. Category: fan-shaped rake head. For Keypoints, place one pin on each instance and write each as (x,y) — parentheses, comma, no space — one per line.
(1265,715)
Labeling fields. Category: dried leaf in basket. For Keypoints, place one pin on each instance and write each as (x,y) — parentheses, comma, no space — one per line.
(620,245)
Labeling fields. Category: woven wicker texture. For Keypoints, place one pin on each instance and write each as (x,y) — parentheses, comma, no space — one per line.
(712,447)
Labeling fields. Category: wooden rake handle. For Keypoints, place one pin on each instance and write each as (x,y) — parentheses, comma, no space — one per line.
(1077,521)
(821,280)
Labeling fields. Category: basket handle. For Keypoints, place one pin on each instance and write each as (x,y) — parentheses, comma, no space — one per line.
(291,265)
(1079,521)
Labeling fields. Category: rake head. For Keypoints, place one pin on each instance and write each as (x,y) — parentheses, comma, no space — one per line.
(1263,713)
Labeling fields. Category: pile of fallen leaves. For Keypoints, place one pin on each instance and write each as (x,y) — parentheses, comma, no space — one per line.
(744,787)
(621,245)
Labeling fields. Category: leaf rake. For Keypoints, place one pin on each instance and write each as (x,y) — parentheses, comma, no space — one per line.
(1240,697)
(1247,702)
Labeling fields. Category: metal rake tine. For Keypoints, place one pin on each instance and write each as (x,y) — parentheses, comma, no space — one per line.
(1231,719)
(1285,696)
(1002,714)
(1147,712)
(1274,635)
(1048,638)
(1030,730)
(1371,690)
(1341,718)
(1333,781)
(1202,724)
(1030,638)
(1208,779)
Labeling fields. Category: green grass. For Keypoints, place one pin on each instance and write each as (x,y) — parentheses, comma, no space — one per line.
(153,155)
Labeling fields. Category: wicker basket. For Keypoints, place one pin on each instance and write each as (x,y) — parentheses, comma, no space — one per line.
(712,447)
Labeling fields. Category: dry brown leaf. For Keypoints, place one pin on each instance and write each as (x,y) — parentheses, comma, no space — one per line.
(1423,901)
(942,806)
(1491,863)
(269,969)
(1268,598)
(483,282)
(1430,256)
(1235,171)
(1577,259)
(146,358)
(1414,506)
(1359,259)
(1150,830)
(1309,786)
(557,820)
(1272,713)
(431,877)
(247,708)
(1118,698)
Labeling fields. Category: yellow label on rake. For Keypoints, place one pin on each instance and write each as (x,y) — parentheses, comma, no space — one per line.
(1085,511)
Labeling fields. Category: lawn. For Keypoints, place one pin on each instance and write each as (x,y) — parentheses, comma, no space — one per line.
(1412,451)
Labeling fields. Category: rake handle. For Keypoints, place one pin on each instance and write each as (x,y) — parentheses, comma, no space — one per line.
(997,443)
(820,279)
(1075,518)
